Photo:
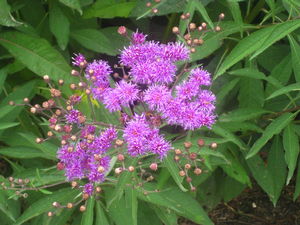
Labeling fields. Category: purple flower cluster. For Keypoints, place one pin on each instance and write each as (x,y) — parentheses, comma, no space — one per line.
(141,138)
(86,158)
(150,85)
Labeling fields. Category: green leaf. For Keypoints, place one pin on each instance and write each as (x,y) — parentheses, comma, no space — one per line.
(4,125)
(73,4)
(226,89)
(291,146)
(235,11)
(100,215)
(109,9)
(37,54)
(219,130)
(203,12)
(132,202)
(277,168)
(251,93)
(257,42)
(94,40)
(88,215)
(6,19)
(214,40)
(23,152)
(168,217)
(174,170)
(242,127)
(122,181)
(242,114)
(297,188)
(59,25)
(44,204)
(274,128)
(284,90)
(174,199)
(295,50)
(248,72)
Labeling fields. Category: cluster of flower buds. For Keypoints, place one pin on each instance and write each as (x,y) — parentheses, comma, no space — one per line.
(145,90)
(196,33)
(18,185)
(153,5)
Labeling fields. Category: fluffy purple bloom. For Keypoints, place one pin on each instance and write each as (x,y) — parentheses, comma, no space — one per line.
(157,96)
(78,60)
(99,69)
(138,38)
(87,130)
(206,100)
(72,116)
(187,90)
(142,139)
(112,100)
(158,71)
(98,168)
(88,188)
(200,76)
(175,52)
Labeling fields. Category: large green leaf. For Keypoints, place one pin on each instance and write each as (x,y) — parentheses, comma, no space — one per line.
(100,215)
(257,42)
(295,50)
(6,125)
(23,152)
(59,25)
(6,19)
(44,204)
(291,146)
(274,128)
(284,90)
(174,199)
(88,215)
(37,54)
(109,9)
(251,93)
(94,40)
(73,4)
(132,203)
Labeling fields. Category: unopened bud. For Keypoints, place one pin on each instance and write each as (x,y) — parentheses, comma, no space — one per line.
(193,50)
(187,15)
(88,91)
(46,78)
(119,142)
(187,166)
(26,100)
(60,166)
(187,144)
(154,10)
(193,156)
(221,16)
(122,30)
(60,82)
(213,145)
(175,30)
(178,151)
(11,103)
(148,4)
(183,17)
(217,28)
(33,110)
(98,189)
(73,86)
(69,205)
(50,214)
(118,170)
(74,184)
(181,173)
(55,204)
(200,142)
(130,168)
(82,208)
(176,158)
(153,166)
(121,157)
(74,73)
(188,179)
(73,138)
(100,169)
(11,179)
(197,171)
(192,26)
(38,140)
(204,25)
(85,196)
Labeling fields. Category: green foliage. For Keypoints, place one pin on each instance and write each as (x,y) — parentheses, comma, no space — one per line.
(254,60)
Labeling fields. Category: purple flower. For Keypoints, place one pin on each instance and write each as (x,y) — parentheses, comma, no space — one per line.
(200,77)
(138,38)
(175,52)
(187,90)
(158,145)
(99,69)
(78,60)
(127,92)
(72,116)
(112,100)
(88,188)
(157,96)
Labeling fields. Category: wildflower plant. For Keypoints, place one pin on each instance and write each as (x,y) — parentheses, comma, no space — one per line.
(152,89)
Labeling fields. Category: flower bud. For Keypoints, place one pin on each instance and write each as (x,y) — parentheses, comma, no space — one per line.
(187,144)
(178,151)
(176,158)
(11,103)
(221,16)
(157,1)
(122,30)
(187,15)
(100,169)
(88,91)
(50,214)
(82,208)
(181,173)
(38,140)
(213,145)
(73,86)
(74,184)
(200,142)
(217,28)
(193,156)
(60,166)
(121,157)
(118,170)
(69,205)
(85,196)
(153,166)
(193,50)
(26,100)
(204,25)
(74,73)
(197,171)
(46,78)
(60,82)
(98,189)
(55,204)
(148,4)
(33,110)
(192,26)
(189,179)
(131,168)
(154,10)
(175,30)
(183,17)
(187,166)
